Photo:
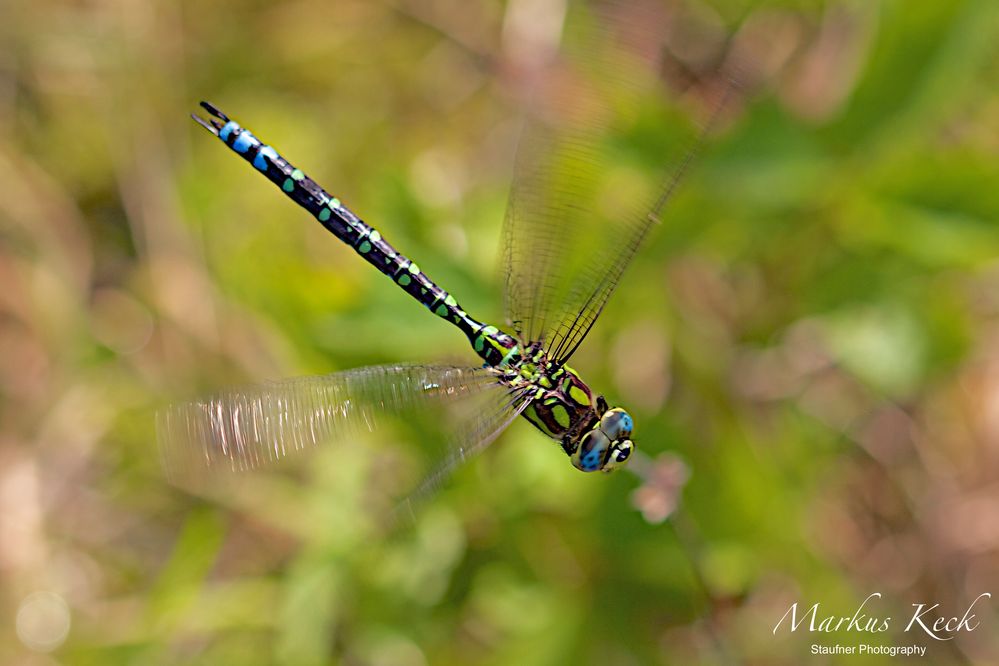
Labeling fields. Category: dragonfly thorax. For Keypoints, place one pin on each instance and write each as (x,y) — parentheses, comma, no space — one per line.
(565,408)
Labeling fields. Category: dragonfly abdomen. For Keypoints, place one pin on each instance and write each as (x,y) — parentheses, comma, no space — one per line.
(494,346)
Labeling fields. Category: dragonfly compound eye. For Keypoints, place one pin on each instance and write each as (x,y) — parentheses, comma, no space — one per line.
(619,454)
(617,423)
(589,456)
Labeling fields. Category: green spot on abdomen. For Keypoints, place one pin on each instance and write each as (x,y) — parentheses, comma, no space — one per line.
(324,214)
(364,247)
(297,174)
(441,311)
(288,185)
(414,269)
(404,279)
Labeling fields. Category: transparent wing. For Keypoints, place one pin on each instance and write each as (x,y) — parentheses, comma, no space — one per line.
(246,428)
(593,173)
(478,436)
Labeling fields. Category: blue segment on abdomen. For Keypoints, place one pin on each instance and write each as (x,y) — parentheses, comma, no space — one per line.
(227,129)
(259,162)
(244,141)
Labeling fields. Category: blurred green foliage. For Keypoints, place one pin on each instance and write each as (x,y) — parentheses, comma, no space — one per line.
(812,330)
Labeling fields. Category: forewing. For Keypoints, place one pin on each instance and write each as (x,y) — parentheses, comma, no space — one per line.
(585,195)
(246,428)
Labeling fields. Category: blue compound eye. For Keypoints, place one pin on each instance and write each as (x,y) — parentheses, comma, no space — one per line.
(617,423)
(589,457)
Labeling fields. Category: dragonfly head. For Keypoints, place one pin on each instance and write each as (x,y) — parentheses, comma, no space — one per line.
(608,445)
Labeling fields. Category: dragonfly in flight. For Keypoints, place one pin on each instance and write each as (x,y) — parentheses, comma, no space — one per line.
(574,223)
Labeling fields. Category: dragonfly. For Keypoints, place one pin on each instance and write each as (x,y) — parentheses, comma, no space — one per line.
(573,225)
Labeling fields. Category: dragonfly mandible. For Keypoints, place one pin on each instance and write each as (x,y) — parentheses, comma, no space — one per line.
(571,230)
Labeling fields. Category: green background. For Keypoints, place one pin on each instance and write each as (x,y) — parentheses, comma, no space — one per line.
(812,331)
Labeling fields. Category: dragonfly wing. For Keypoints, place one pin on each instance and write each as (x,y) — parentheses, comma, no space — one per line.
(476,435)
(249,427)
(581,203)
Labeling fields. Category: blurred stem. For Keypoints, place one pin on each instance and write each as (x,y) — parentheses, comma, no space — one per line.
(690,541)
(418,13)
